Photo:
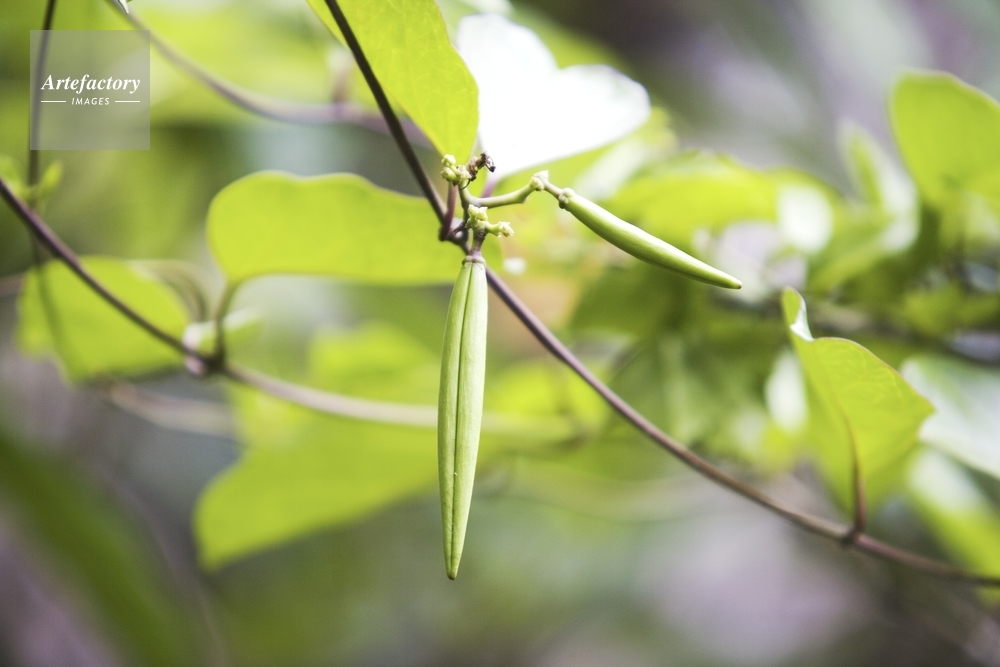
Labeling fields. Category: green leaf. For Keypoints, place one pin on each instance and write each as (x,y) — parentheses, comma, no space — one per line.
(966,423)
(89,336)
(339,225)
(959,514)
(100,552)
(265,51)
(879,180)
(338,470)
(407,45)
(948,133)
(948,308)
(856,403)
(886,225)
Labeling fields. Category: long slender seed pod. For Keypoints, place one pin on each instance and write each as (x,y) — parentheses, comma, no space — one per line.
(460,404)
(641,244)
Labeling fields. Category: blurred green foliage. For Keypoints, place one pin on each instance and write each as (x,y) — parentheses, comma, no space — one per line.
(318,534)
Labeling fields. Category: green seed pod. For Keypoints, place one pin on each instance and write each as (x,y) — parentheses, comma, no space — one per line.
(641,244)
(460,404)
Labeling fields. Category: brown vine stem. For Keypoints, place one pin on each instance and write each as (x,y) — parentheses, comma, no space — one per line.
(817,525)
(33,168)
(269,107)
(54,244)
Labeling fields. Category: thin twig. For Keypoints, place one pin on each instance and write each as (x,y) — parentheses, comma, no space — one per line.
(518,196)
(303,113)
(34,113)
(170,412)
(345,406)
(54,244)
(819,526)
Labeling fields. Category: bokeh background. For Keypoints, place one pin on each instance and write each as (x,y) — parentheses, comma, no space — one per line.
(642,564)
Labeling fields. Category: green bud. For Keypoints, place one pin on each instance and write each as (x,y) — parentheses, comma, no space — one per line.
(454,173)
(641,244)
(479,222)
(460,404)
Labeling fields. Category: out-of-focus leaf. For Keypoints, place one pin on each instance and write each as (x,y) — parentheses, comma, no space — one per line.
(958,513)
(949,135)
(12,173)
(338,471)
(857,403)
(90,542)
(407,45)
(877,178)
(883,225)
(265,48)
(704,191)
(89,336)
(339,225)
(638,300)
(966,398)
(375,361)
(51,178)
(947,308)
(530,111)
(700,192)
(562,404)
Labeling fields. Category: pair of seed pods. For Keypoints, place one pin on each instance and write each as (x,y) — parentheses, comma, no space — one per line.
(463,362)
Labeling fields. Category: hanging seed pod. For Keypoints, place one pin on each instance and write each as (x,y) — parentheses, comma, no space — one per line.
(641,244)
(460,404)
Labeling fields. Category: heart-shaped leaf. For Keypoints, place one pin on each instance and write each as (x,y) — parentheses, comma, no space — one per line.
(948,133)
(339,225)
(530,111)
(858,405)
